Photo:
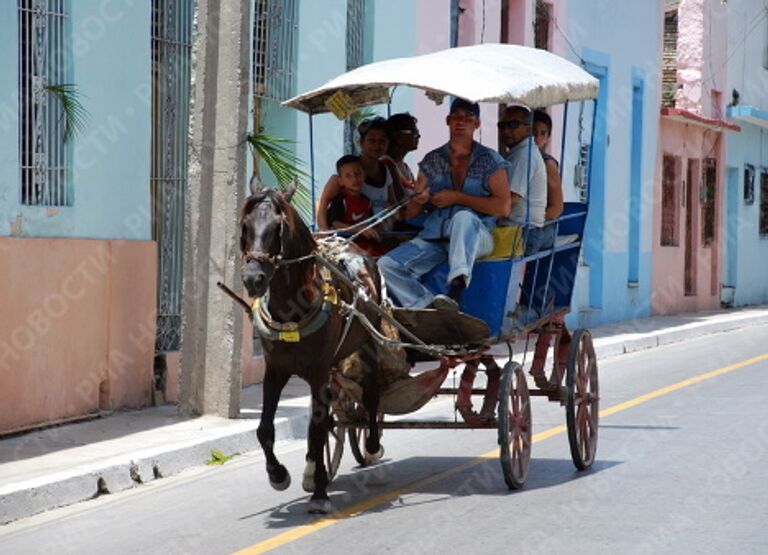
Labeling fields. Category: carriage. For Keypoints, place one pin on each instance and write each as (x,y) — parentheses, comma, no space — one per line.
(564,365)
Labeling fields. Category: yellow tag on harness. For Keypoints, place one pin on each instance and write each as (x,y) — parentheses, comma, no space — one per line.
(292,336)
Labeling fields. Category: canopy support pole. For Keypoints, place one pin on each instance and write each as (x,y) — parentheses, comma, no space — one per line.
(312,172)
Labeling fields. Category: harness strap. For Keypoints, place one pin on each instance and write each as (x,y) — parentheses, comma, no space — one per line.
(292,332)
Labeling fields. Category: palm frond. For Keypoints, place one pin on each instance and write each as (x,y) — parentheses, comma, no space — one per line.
(286,166)
(74,115)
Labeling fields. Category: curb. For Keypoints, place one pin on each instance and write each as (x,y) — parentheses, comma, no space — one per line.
(607,347)
(29,497)
(119,473)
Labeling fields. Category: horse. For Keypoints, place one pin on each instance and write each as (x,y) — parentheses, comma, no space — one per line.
(297,315)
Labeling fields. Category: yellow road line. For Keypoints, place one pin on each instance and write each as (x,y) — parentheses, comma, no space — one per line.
(368,504)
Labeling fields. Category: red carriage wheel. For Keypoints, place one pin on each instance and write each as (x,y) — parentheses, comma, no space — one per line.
(357,438)
(334,446)
(515,425)
(583,400)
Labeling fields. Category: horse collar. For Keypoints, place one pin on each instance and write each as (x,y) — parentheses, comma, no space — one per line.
(293,332)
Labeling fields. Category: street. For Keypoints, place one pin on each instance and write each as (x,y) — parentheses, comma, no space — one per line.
(679,469)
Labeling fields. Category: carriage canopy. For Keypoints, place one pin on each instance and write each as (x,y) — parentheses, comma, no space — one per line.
(498,73)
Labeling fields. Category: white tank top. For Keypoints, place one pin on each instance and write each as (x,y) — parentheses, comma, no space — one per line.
(379,195)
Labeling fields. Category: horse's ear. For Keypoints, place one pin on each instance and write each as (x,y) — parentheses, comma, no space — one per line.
(288,193)
(256,185)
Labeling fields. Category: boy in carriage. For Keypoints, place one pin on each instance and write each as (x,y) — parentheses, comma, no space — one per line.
(351,206)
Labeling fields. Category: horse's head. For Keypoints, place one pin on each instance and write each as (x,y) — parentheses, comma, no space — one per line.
(267,226)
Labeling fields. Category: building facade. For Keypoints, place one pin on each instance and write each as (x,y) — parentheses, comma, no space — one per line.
(745,247)
(77,260)
(688,193)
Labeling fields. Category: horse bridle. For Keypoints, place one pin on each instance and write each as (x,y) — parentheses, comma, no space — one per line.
(263,256)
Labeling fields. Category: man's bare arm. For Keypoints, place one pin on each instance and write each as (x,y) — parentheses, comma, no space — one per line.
(499,204)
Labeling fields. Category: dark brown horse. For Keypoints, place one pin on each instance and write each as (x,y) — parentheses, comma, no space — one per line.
(297,314)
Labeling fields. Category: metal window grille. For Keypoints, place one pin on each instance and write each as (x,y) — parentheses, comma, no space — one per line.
(42,63)
(171,53)
(669,69)
(708,196)
(355,45)
(274,25)
(541,25)
(763,202)
(749,184)
(669,178)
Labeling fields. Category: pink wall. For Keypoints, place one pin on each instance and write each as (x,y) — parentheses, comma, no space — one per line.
(688,142)
(78,328)
(702,55)
(701,60)
(433,34)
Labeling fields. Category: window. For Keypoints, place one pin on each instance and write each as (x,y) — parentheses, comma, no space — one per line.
(749,184)
(764,202)
(541,26)
(669,178)
(171,54)
(42,65)
(669,69)
(708,195)
(274,23)
(355,45)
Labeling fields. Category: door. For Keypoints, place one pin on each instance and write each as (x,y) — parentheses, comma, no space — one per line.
(690,235)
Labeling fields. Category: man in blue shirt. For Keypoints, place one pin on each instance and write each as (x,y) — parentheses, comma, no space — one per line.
(466,185)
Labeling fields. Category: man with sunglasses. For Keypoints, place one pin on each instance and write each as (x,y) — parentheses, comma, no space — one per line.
(465,184)
(527,178)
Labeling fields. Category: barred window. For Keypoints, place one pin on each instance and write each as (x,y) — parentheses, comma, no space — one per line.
(43,45)
(764,202)
(171,55)
(669,212)
(708,196)
(542,25)
(274,26)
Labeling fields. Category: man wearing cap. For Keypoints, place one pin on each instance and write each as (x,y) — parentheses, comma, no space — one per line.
(465,185)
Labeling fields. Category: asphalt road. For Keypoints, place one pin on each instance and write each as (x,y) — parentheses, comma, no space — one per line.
(681,470)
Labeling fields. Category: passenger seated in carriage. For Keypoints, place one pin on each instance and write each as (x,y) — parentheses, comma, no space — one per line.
(469,190)
(351,206)
(380,181)
(515,131)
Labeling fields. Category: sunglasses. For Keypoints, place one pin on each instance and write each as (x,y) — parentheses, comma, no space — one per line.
(512,124)
(410,132)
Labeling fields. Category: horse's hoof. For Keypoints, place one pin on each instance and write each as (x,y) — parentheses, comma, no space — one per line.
(320,507)
(281,486)
(308,480)
(371,458)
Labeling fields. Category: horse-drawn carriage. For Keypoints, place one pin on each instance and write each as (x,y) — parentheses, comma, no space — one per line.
(320,312)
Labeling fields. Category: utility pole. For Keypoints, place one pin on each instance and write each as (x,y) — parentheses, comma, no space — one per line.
(212,325)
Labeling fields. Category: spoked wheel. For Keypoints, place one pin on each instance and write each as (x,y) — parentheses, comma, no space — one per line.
(334,446)
(357,438)
(515,425)
(583,400)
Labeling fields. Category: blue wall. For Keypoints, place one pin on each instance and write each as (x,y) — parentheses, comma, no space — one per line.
(621,215)
(321,56)
(751,256)
(110,63)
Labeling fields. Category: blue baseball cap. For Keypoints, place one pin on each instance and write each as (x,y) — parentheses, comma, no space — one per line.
(469,107)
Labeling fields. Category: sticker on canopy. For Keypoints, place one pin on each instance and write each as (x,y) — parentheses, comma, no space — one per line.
(340,103)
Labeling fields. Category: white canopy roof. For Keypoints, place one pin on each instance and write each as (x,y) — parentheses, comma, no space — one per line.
(500,73)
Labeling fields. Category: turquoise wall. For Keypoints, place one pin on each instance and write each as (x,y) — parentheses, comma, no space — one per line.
(390,33)
(110,62)
(748,147)
(631,50)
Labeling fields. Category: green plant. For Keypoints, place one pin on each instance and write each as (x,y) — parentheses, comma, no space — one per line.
(286,166)
(217,457)
(73,113)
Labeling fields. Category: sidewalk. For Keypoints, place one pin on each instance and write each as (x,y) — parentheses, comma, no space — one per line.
(71,463)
